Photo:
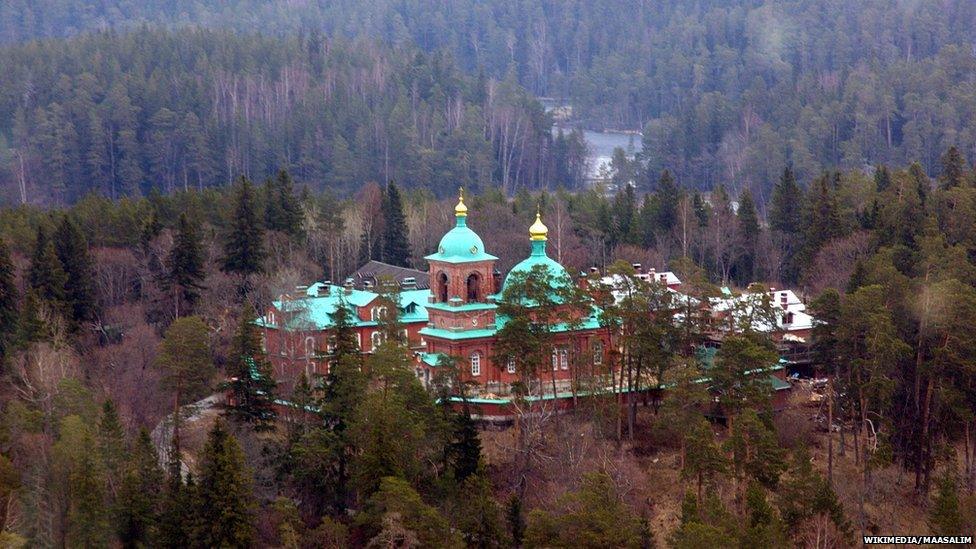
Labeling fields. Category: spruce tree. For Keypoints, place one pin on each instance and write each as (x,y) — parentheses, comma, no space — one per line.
(465,449)
(177,512)
(224,504)
(668,197)
(250,371)
(138,507)
(79,288)
(184,268)
(111,446)
(748,221)
(46,276)
(282,210)
(945,517)
(8,303)
(244,240)
(953,168)
(786,202)
(396,247)
(882,179)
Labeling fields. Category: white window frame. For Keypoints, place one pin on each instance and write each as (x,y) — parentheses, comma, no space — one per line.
(510,366)
(475,359)
(597,352)
(564,358)
(309,346)
(555,359)
(376,339)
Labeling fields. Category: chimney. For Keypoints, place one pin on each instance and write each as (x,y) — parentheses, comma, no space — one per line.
(348,286)
(408,283)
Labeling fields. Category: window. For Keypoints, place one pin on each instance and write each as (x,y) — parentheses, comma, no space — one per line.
(404,336)
(476,364)
(564,358)
(309,346)
(264,342)
(473,287)
(377,339)
(555,359)
(442,288)
(511,365)
(377,313)
(597,352)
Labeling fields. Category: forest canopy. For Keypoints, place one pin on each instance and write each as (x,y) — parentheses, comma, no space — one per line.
(724,90)
(119,115)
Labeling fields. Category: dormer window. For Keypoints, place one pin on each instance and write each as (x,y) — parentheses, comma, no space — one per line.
(377,313)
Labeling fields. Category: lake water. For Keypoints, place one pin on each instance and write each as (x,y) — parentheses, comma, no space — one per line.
(600,144)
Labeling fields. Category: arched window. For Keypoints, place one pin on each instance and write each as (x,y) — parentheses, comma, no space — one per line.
(442,288)
(309,346)
(475,363)
(597,352)
(377,339)
(474,287)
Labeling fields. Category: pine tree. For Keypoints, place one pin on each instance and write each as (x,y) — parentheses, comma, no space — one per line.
(8,303)
(786,202)
(250,373)
(79,288)
(138,507)
(224,503)
(244,241)
(953,168)
(46,276)
(396,247)
(184,268)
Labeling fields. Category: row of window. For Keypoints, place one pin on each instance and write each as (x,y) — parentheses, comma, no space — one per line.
(560,359)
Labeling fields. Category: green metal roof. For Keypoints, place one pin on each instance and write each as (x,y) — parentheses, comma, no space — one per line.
(461,245)
(316,310)
(452,335)
(538,256)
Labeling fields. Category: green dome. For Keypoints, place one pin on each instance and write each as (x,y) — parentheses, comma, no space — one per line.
(539,257)
(461,245)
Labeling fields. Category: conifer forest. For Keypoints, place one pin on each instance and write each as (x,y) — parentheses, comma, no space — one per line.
(480,273)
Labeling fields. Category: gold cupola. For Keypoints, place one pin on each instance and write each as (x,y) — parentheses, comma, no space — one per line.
(460,210)
(538,231)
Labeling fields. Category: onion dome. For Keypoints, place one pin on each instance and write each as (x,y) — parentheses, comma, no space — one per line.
(538,234)
(461,244)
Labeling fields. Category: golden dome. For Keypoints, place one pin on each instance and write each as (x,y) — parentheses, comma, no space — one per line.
(538,230)
(460,210)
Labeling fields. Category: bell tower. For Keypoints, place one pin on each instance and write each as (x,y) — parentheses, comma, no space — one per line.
(461,277)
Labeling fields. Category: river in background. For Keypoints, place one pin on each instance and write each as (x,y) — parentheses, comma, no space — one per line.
(599,144)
